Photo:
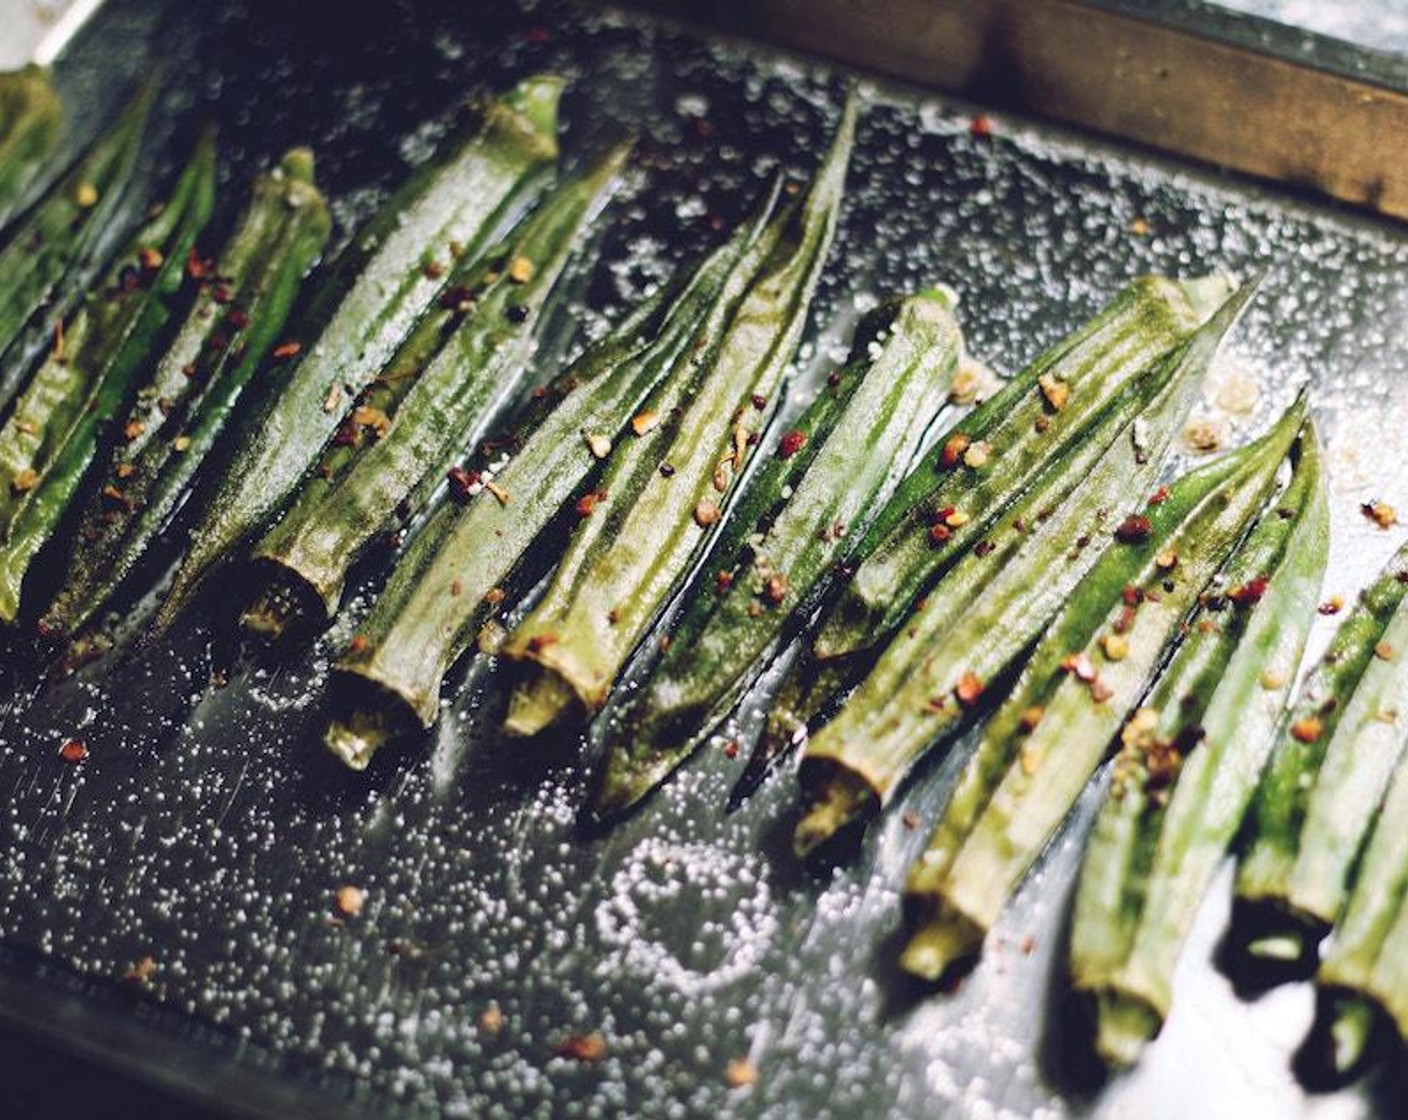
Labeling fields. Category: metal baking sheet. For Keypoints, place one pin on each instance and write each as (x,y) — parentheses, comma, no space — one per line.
(208,832)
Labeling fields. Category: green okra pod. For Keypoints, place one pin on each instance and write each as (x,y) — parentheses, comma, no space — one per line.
(1085,676)
(1327,775)
(843,457)
(1362,979)
(52,436)
(991,606)
(423,417)
(460,570)
(650,524)
(1189,763)
(240,308)
(1041,414)
(50,255)
(31,121)
(397,270)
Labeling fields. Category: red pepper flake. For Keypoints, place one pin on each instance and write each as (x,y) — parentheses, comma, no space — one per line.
(776,588)
(1249,594)
(583,1047)
(1134,529)
(539,642)
(357,645)
(73,751)
(150,259)
(791,443)
(731,749)
(588,502)
(724,580)
(24,481)
(706,513)
(462,483)
(939,533)
(952,454)
(495,595)
(1159,496)
(348,901)
(1100,691)
(1380,513)
(1333,605)
(238,319)
(910,819)
(740,1073)
(221,293)
(114,496)
(286,350)
(458,298)
(537,36)
(126,470)
(141,972)
(1307,730)
(198,267)
(969,689)
(1132,596)
(456,588)
(760,402)
(1079,664)
(490,1021)
(980,127)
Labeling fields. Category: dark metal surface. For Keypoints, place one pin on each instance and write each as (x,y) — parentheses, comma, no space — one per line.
(208,832)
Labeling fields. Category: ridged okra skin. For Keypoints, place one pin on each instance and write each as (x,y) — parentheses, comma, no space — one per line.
(243,298)
(54,432)
(650,525)
(396,270)
(476,554)
(1044,413)
(828,475)
(977,622)
(49,255)
(31,125)
(1312,812)
(1086,675)
(423,412)
(1189,762)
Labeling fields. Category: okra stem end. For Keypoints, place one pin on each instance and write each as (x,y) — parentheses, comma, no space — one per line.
(1124,1025)
(354,739)
(844,807)
(538,703)
(1349,1034)
(943,944)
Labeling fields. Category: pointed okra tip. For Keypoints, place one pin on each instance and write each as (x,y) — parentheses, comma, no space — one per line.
(1348,1036)
(298,164)
(539,702)
(537,98)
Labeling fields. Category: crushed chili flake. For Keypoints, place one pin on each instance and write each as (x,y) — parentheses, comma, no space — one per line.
(498,491)
(1100,691)
(462,483)
(1031,717)
(588,502)
(349,900)
(956,519)
(115,496)
(583,1047)
(520,270)
(1380,513)
(1056,392)
(1383,651)
(126,470)
(222,294)
(740,1073)
(954,448)
(357,644)
(140,972)
(238,319)
(980,127)
(731,749)
(457,298)
(983,548)
(969,689)
(490,1021)
(723,580)
(1079,664)
(132,429)
(494,596)
(286,350)
(776,588)
(539,642)
(150,259)
(24,481)
(1115,646)
(910,819)
(1307,730)
(433,270)
(706,513)
(1159,496)
(644,422)
(1249,594)
(1134,529)
(939,533)
(1333,605)
(791,443)
(456,588)
(73,751)
(198,267)
(760,402)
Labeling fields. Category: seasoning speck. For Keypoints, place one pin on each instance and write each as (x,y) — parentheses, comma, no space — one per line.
(706,513)
(1307,730)
(1380,513)
(644,422)
(73,751)
(349,900)
(583,1047)
(520,270)
(741,1073)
